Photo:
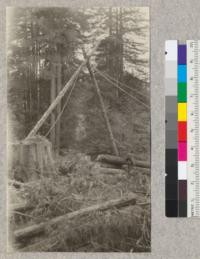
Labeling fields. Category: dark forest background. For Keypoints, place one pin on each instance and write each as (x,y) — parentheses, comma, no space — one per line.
(37,39)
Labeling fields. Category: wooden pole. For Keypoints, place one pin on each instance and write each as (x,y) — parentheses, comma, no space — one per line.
(115,149)
(53,97)
(61,94)
(58,89)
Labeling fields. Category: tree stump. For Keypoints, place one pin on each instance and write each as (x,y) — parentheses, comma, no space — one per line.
(30,159)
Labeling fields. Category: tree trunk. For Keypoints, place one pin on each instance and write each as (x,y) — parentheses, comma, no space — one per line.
(117,21)
(26,88)
(121,65)
(32,159)
(38,73)
(31,76)
(110,21)
(117,53)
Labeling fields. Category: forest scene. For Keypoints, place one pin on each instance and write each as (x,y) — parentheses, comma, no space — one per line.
(79,176)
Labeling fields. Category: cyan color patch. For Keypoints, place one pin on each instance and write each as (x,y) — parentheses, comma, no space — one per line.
(182,73)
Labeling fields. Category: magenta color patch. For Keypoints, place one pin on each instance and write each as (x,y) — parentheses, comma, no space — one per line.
(182,151)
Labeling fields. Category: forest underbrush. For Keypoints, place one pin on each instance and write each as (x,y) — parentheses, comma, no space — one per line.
(77,184)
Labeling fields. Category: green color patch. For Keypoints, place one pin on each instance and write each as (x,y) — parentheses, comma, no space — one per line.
(182,92)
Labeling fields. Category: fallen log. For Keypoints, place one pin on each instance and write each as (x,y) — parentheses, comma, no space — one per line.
(41,227)
(110,159)
(111,171)
(106,165)
(120,161)
(21,207)
(142,164)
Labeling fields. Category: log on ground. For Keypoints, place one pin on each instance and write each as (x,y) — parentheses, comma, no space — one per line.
(20,207)
(111,171)
(106,165)
(110,159)
(142,164)
(39,228)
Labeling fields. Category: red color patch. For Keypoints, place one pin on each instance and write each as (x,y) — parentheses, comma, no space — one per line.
(182,131)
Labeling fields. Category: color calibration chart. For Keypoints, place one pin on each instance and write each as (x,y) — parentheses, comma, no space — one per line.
(182,128)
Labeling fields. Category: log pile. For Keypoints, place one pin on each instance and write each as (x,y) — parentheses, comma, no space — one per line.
(117,163)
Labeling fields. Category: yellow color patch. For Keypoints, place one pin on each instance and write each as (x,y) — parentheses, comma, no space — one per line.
(182,111)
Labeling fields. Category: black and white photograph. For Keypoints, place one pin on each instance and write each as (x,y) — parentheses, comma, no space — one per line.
(79,129)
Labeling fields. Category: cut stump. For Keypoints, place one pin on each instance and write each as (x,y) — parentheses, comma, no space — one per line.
(30,159)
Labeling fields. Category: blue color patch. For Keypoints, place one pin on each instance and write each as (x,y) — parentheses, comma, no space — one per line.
(182,73)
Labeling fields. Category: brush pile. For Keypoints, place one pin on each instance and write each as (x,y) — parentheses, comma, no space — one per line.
(79,184)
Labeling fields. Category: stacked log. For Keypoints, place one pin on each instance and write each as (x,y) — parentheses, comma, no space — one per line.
(117,162)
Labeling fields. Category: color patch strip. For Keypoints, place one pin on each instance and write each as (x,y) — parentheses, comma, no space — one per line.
(182,131)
